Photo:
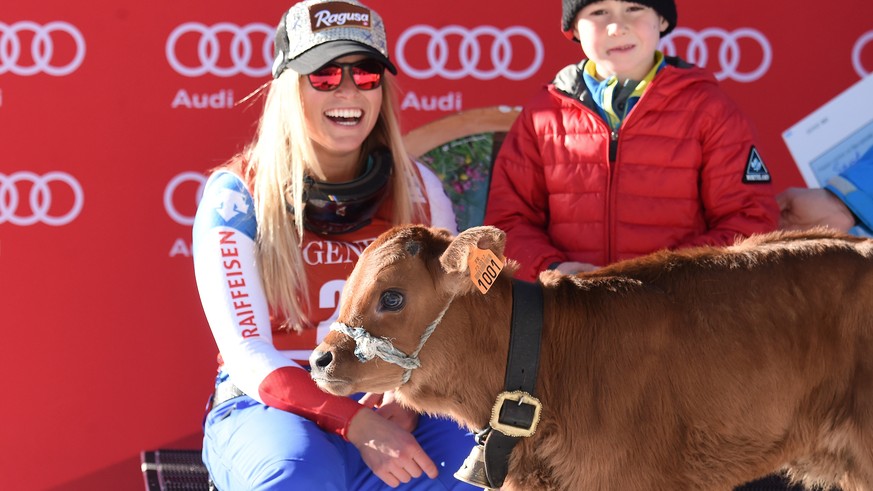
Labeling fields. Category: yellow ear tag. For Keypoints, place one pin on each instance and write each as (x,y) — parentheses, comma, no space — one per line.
(484,267)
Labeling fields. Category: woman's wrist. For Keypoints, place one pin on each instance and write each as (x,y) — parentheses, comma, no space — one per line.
(356,429)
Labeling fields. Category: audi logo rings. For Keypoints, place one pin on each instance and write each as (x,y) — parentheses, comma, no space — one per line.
(470,52)
(39,198)
(728,51)
(862,42)
(42,48)
(209,50)
(170,195)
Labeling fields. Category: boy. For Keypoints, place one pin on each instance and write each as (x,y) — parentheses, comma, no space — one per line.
(626,152)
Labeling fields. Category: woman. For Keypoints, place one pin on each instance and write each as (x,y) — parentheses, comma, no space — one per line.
(278,230)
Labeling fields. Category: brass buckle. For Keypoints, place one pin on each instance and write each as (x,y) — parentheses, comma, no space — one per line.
(517,397)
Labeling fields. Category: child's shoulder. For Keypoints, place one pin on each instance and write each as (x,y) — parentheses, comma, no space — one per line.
(689,72)
(679,75)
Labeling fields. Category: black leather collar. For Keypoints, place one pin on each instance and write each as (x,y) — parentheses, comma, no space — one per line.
(517,411)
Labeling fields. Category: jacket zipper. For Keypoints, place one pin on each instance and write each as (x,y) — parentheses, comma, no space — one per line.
(610,221)
(612,255)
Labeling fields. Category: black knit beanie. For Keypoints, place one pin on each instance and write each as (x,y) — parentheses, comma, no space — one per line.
(665,8)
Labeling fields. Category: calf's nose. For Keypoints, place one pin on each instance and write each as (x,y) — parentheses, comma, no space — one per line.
(319,360)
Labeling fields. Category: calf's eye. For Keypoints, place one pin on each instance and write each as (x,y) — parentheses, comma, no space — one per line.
(391,300)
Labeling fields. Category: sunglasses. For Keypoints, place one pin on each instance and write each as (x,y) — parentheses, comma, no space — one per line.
(366,74)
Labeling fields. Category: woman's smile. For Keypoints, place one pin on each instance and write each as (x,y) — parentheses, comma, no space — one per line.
(345,116)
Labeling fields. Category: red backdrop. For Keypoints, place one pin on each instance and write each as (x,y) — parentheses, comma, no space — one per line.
(111,110)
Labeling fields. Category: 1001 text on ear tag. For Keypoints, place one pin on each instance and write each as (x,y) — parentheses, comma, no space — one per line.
(484,267)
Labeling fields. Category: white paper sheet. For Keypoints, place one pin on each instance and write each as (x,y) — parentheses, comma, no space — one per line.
(833,136)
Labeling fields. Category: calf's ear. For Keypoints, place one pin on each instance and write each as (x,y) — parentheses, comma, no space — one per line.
(454,259)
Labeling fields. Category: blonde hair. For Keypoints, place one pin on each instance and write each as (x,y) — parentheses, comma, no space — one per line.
(275,165)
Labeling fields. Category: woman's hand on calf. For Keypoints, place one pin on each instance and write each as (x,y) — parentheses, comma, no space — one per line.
(391,452)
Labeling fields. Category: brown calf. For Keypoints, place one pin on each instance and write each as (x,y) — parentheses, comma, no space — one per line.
(700,369)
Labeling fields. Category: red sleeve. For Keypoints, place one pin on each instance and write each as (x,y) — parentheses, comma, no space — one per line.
(291,389)
(733,208)
(518,201)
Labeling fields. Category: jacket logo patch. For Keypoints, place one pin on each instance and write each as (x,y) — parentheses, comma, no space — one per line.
(756,171)
(229,203)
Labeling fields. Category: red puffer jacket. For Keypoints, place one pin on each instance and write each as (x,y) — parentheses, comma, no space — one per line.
(678,179)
